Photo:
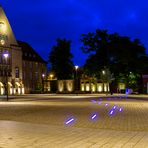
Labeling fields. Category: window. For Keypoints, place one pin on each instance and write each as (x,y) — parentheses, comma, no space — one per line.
(24,64)
(16,72)
(30,65)
(24,74)
(0,58)
(36,75)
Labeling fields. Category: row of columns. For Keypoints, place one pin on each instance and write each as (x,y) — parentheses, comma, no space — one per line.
(17,90)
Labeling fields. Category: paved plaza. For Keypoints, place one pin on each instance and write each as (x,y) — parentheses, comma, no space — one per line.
(94,121)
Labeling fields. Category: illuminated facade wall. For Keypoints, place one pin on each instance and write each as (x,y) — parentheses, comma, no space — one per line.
(65,85)
(33,68)
(87,86)
(23,68)
(13,62)
(68,86)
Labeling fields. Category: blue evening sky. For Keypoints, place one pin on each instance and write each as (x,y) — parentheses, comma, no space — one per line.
(41,22)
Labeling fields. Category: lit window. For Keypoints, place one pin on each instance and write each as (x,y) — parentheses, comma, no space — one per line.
(24,64)
(24,75)
(30,65)
(36,75)
(16,72)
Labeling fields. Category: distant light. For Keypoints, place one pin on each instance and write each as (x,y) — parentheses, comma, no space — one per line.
(43,75)
(51,76)
(2,42)
(5,55)
(76,67)
(103,71)
(69,121)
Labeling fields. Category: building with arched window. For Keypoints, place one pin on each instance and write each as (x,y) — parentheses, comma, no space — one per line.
(18,62)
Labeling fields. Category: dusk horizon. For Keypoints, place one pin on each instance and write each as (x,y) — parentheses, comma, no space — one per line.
(40,24)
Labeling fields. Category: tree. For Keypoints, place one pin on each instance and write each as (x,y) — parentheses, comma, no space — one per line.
(119,54)
(60,59)
(96,45)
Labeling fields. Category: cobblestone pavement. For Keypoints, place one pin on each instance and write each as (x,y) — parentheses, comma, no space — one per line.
(74,121)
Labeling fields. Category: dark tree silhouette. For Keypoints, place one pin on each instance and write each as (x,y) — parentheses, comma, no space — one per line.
(119,54)
(60,59)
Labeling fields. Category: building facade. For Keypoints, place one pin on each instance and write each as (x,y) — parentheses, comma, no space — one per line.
(33,69)
(17,63)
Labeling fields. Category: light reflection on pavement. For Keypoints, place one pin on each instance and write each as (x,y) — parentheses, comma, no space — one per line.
(40,123)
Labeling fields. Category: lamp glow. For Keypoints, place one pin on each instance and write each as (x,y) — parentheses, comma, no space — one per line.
(76,67)
(5,55)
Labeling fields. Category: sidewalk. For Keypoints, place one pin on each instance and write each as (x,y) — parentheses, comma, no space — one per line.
(37,97)
(25,135)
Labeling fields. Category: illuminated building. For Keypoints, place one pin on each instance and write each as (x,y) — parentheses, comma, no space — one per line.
(13,73)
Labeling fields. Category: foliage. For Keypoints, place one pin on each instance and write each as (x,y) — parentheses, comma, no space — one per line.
(119,54)
(60,59)
(38,86)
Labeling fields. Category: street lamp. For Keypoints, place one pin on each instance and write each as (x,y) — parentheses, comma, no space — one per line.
(76,79)
(43,75)
(103,75)
(51,76)
(76,68)
(103,72)
(6,55)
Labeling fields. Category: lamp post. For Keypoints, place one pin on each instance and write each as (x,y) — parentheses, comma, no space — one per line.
(103,73)
(43,75)
(6,55)
(51,76)
(76,79)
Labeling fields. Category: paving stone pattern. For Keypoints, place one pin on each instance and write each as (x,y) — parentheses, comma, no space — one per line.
(39,122)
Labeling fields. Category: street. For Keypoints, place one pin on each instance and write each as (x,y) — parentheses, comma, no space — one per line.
(74,121)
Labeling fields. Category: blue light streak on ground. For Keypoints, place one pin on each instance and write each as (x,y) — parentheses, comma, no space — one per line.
(106,105)
(94,116)
(93,101)
(114,107)
(120,109)
(99,103)
(111,112)
(69,121)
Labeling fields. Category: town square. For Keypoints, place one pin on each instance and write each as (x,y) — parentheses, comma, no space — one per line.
(73,74)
